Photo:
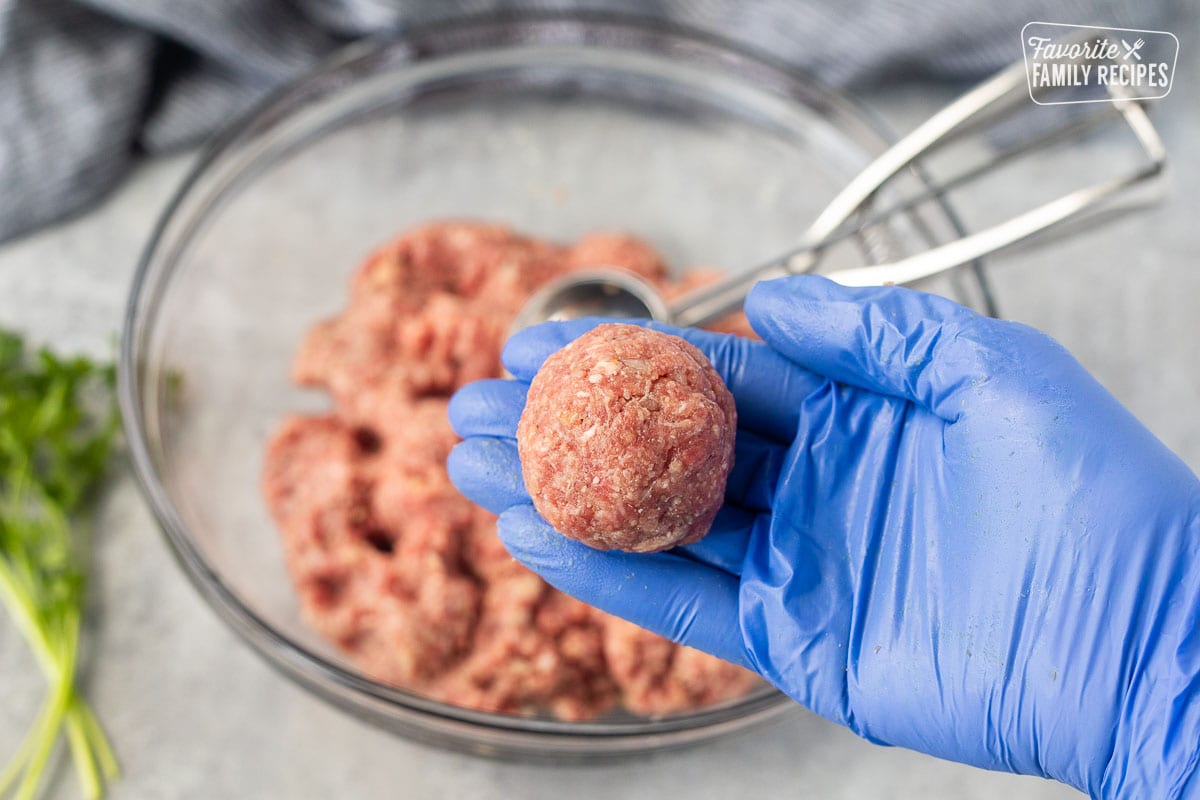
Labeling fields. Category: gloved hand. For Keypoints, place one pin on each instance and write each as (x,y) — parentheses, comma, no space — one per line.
(940,531)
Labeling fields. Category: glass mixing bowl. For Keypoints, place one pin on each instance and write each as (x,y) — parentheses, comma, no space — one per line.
(557,126)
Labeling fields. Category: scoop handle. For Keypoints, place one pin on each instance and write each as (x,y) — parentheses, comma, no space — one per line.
(983,104)
(705,305)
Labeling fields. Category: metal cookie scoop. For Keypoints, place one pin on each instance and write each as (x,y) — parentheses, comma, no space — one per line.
(609,292)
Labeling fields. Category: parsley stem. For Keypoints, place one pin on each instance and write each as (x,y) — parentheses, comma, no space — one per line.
(24,614)
(85,764)
(44,746)
(17,762)
(100,746)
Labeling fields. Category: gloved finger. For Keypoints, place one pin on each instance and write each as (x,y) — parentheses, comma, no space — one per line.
(766,387)
(488,408)
(725,545)
(673,596)
(887,339)
(757,462)
(488,472)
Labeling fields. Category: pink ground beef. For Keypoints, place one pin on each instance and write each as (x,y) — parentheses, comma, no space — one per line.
(395,567)
(626,440)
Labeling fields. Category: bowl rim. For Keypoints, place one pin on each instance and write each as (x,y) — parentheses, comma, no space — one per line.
(461,728)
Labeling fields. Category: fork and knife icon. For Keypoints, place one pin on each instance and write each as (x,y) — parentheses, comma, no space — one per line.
(1131,50)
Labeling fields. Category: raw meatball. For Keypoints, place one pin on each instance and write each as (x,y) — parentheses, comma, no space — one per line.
(627,440)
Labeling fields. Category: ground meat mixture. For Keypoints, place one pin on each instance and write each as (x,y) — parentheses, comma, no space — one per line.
(626,440)
(393,565)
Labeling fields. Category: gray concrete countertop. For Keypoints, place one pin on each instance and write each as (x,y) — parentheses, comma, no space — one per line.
(194,713)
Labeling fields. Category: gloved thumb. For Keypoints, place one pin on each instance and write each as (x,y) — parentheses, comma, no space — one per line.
(891,340)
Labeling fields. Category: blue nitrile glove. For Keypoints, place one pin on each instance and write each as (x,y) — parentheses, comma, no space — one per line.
(940,531)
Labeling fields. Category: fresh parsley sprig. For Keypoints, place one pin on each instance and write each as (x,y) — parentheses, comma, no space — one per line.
(57,425)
